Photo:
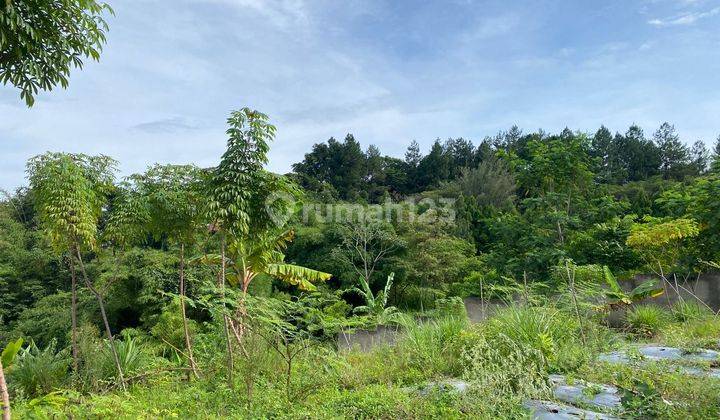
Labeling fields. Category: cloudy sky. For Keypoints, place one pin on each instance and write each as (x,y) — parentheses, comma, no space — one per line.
(387,71)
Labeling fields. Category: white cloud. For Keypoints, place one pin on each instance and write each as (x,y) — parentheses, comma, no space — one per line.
(684,19)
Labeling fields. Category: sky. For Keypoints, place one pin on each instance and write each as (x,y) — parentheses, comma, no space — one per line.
(387,71)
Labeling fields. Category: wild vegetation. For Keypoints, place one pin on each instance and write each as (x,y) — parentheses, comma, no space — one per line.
(216,292)
(234,292)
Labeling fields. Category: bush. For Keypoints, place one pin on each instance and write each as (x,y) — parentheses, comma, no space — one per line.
(169,328)
(38,372)
(419,298)
(646,320)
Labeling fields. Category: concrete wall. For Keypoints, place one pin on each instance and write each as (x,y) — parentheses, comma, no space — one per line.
(706,287)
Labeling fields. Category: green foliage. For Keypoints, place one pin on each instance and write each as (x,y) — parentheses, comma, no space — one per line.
(28,270)
(503,373)
(239,188)
(7,357)
(168,327)
(375,305)
(69,192)
(131,355)
(40,42)
(434,346)
(47,321)
(37,372)
(646,320)
(450,307)
(617,296)
(553,333)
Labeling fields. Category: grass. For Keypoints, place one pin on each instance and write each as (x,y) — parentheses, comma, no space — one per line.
(647,320)
(506,360)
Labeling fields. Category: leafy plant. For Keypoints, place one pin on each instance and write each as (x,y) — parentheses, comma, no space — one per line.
(6,359)
(616,296)
(375,305)
(684,311)
(40,371)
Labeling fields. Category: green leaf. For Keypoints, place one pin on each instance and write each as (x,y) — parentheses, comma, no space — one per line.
(10,351)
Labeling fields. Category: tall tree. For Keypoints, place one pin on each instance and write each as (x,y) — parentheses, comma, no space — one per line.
(341,164)
(413,157)
(434,167)
(716,156)
(640,156)
(247,205)
(601,151)
(461,154)
(166,202)
(699,158)
(673,153)
(70,192)
(40,41)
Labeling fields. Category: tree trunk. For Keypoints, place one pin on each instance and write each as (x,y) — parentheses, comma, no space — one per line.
(228,342)
(188,344)
(4,394)
(73,314)
(104,318)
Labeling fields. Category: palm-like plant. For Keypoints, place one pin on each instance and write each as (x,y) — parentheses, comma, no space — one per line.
(618,297)
(375,304)
(246,259)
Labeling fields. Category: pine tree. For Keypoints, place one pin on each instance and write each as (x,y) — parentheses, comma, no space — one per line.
(674,155)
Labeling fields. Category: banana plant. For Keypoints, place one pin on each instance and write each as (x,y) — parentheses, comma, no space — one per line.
(375,305)
(6,360)
(617,297)
(245,260)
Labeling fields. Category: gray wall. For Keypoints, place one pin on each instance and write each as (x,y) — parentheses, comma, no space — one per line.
(706,287)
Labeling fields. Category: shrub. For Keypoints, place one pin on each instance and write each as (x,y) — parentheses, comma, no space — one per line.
(38,372)
(646,320)
(419,298)
(169,328)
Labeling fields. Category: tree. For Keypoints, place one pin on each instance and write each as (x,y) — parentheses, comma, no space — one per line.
(490,184)
(673,154)
(699,158)
(413,157)
(366,246)
(70,191)
(342,165)
(434,167)
(40,41)
(640,156)
(660,243)
(716,156)
(167,203)
(246,206)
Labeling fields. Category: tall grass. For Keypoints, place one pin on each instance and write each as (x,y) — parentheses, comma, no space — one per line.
(434,345)
(554,333)
(684,311)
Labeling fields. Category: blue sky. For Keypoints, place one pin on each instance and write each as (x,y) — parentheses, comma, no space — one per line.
(387,71)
